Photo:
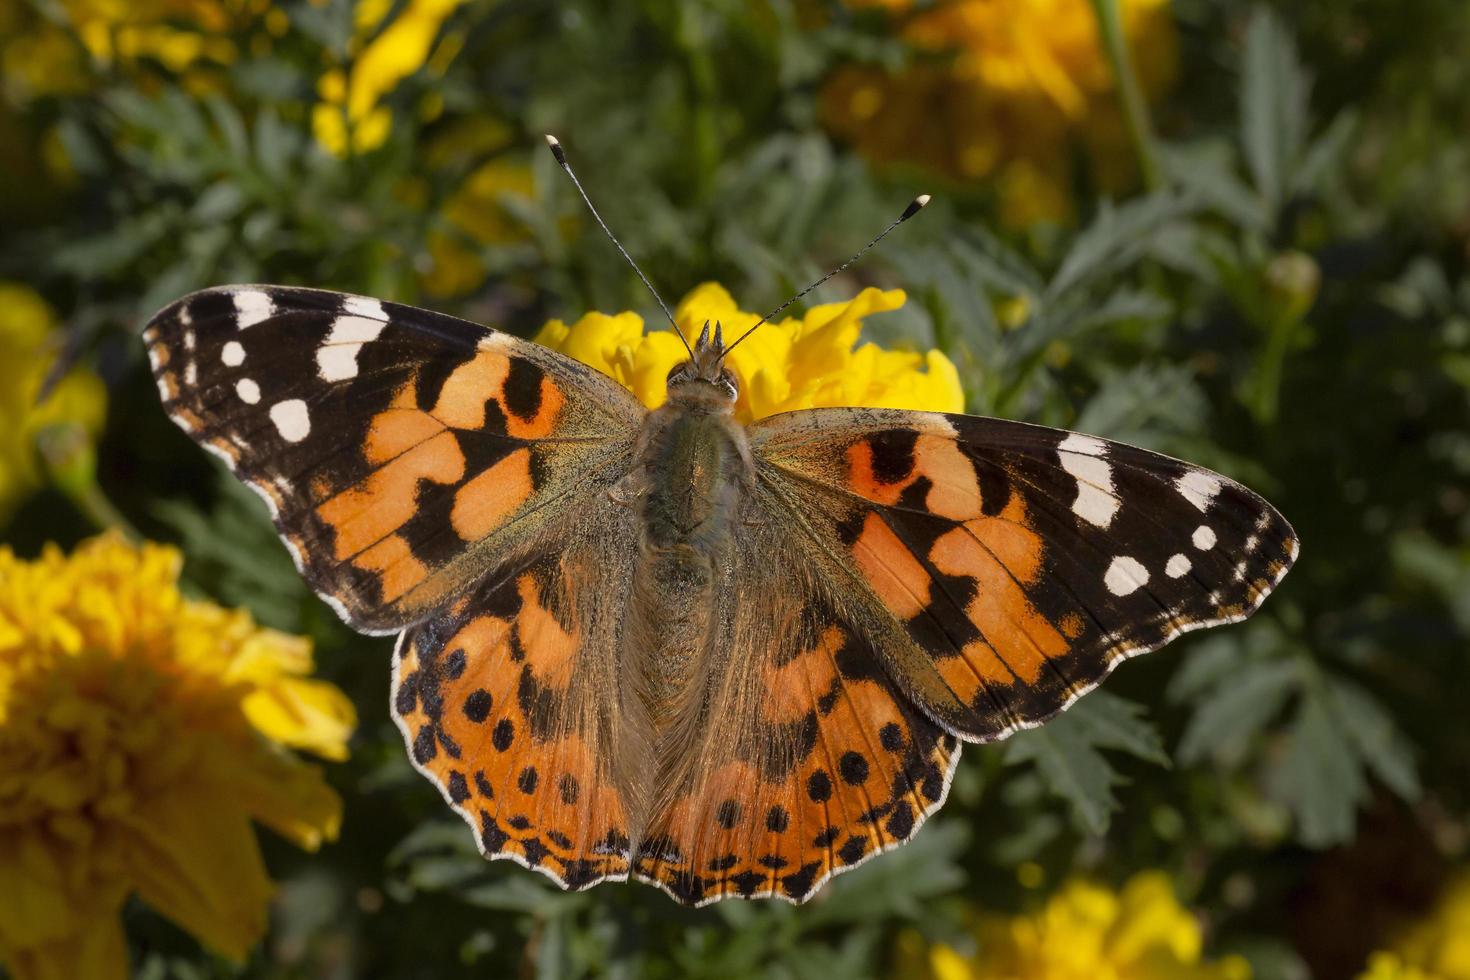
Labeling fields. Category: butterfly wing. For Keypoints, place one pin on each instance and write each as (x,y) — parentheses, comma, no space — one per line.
(403,453)
(805,758)
(509,703)
(1004,568)
(433,474)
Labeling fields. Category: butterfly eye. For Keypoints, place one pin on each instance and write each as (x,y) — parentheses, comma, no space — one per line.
(728,382)
(674,371)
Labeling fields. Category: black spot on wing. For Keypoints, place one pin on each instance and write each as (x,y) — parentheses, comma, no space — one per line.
(893,454)
(522,388)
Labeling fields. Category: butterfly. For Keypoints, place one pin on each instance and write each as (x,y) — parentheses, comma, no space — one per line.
(725,660)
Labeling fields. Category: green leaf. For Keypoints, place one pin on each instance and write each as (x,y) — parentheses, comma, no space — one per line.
(1236,709)
(235,556)
(1326,152)
(1066,752)
(1210,660)
(1207,173)
(1140,404)
(1318,777)
(1114,240)
(1379,743)
(898,882)
(1111,722)
(1273,112)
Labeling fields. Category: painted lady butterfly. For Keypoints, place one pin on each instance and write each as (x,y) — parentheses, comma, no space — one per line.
(724,660)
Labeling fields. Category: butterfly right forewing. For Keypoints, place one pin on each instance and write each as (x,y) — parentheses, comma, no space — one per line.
(1007,568)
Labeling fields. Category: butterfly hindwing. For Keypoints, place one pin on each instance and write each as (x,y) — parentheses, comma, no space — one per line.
(509,702)
(398,449)
(811,761)
(1019,563)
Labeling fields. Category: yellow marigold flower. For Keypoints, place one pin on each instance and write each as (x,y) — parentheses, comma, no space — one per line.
(1088,932)
(476,214)
(798,362)
(350,115)
(140,732)
(48,55)
(1026,79)
(1437,948)
(28,346)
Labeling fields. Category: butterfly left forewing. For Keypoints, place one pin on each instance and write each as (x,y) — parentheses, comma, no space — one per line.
(402,452)
(1006,568)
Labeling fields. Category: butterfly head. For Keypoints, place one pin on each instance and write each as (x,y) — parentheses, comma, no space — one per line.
(703,379)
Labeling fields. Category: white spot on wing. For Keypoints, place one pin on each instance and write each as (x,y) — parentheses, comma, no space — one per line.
(233,354)
(292,420)
(1076,442)
(364,306)
(1204,537)
(252,307)
(1198,487)
(336,358)
(1082,458)
(248,391)
(1178,566)
(1125,576)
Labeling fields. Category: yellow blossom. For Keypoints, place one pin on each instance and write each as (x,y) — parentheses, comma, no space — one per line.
(1437,948)
(474,215)
(45,57)
(1024,81)
(29,343)
(351,115)
(1087,932)
(140,732)
(799,362)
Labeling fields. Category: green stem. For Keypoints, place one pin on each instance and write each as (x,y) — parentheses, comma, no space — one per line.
(1265,398)
(70,463)
(101,511)
(1130,95)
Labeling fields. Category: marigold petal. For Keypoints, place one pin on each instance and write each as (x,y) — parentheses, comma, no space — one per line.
(34,905)
(657,355)
(290,797)
(304,714)
(196,860)
(98,952)
(713,302)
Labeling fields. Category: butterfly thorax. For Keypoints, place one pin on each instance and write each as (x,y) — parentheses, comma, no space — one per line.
(693,468)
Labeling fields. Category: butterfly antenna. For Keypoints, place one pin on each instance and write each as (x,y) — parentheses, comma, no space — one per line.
(915,206)
(561,159)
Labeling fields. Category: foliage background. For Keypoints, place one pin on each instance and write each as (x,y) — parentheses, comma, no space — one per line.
(1281,293)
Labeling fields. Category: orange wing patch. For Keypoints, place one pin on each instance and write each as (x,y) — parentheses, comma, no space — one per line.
(883,468)
(469,462)
(838,768)
(486,703)
(954,562)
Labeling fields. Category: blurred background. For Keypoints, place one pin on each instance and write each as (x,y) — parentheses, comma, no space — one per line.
(1233,232)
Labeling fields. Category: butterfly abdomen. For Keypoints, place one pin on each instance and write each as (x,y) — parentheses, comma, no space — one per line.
(694,471)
